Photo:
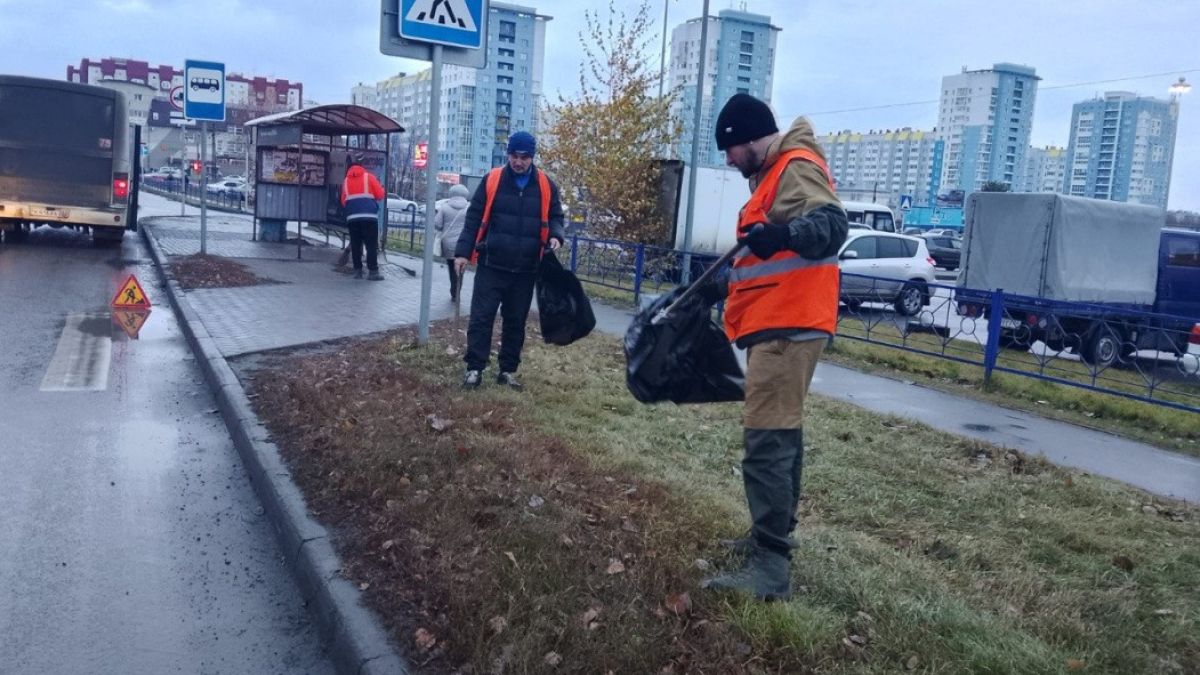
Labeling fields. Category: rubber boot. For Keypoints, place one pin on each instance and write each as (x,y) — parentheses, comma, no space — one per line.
(766,575)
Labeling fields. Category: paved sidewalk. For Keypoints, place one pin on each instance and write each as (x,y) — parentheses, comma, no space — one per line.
(316,303)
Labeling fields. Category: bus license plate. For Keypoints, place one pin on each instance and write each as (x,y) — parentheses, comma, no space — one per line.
(1010,323)
(49,213)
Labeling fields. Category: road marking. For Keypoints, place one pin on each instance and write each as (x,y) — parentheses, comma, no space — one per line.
(80,362)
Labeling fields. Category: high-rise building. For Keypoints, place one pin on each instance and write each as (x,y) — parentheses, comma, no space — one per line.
(985,118)
(881,165)
(480,108)
(1044,170)
(741,58)
(147,92)
(1122,146)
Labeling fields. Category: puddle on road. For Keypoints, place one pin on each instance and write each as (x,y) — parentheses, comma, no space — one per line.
(979,427)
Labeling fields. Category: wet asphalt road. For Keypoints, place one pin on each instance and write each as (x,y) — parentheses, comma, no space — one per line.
(131,540)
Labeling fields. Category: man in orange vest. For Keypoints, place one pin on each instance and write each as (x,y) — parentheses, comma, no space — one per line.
(781,303)
(361,193)
(515,214)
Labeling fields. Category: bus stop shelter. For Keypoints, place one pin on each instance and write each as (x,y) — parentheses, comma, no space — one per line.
(301,157)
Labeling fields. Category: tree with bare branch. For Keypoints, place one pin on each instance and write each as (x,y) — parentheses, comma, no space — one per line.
(602,145)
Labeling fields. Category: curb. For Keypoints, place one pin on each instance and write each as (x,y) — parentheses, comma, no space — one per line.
(358,644)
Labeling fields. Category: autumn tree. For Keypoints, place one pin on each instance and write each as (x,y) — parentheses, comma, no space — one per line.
(601,146)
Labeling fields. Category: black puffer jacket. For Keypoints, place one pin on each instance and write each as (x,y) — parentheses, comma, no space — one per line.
(512,241)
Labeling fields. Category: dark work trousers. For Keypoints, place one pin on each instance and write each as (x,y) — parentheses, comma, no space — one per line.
(512,294)
(771,472)
(364,231)
(453,279)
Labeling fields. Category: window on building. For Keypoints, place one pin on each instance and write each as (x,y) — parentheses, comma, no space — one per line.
(500,65)
(747,36)
(506,52)
(747,47)
(508,31)
(745,59)
(504,79)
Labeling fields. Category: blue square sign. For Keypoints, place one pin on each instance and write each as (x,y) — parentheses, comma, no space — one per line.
(204,91)
(454,23)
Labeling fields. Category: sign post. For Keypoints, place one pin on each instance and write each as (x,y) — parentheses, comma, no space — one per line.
(204,100)
(434,30)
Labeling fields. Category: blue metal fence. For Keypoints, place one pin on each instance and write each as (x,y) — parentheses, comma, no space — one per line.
(1129,353)
(1121,351)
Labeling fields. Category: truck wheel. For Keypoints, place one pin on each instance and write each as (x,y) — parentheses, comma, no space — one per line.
(852,304)
(911,299)
(1015,339)
(1105,346)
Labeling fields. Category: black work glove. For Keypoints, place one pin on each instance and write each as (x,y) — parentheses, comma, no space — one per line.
(714,290)
(766,239)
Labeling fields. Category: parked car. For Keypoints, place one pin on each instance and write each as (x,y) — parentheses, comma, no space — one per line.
(944,232)
(903,262)
(400,210)
(227,187)
(945,250)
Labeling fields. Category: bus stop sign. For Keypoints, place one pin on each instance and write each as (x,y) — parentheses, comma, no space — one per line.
(204,91)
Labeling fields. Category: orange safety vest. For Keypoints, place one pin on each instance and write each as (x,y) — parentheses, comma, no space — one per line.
(786,290)
(493,183)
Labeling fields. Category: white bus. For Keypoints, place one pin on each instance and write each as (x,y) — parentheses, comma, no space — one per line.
(65,158)
(874,216)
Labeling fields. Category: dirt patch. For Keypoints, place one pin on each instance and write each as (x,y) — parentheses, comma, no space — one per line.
(487,545)
(211,271)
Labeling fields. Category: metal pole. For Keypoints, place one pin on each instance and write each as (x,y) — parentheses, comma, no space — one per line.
(662,60)
(183,171)
(435,104)
(203,189)
(686,276)
(299,195)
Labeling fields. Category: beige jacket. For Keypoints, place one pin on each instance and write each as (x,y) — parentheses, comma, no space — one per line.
(803,187)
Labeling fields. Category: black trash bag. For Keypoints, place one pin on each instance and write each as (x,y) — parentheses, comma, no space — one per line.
(564,310)
(685,358)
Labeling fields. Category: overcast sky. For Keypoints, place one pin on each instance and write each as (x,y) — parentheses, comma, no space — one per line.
(833,55)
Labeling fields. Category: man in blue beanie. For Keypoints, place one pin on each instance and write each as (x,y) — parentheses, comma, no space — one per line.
(514,215)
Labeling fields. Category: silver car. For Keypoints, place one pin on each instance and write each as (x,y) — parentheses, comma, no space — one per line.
(900,268)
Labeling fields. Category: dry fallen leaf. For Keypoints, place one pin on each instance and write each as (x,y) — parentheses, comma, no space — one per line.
(364,585)
(858,640)
(1124,562)
(566,541)
(679,603)
(552,658)
(388,544)
(498,624)
(628,526)
(912,662)
(1075,664)
(1164,612)
(590,615)
(536,502)
(615,567)
(437,423)
(424,639)
(510,556)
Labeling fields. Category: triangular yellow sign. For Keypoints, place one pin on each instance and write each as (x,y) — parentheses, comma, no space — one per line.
(131,320)
(131,295)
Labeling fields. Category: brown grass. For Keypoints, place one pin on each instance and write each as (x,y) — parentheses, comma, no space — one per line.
(212,271)
(495,539)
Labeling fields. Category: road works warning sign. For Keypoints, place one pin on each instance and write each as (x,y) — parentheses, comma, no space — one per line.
(131,295)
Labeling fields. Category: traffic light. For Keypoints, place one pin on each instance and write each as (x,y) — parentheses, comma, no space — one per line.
(196,167)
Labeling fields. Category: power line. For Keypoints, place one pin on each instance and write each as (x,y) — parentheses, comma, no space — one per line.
(1057,86)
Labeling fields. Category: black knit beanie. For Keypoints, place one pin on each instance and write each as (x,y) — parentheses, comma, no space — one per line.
(743,119)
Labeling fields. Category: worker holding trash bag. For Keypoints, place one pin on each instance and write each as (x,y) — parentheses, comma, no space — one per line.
(781,304)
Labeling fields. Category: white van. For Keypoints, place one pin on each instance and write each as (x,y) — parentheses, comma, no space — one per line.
(875,216)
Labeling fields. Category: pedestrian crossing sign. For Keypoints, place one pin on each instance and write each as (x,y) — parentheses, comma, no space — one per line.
(454,23)
(131,295)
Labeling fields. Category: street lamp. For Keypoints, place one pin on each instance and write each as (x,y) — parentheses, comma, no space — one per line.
(1179,88)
